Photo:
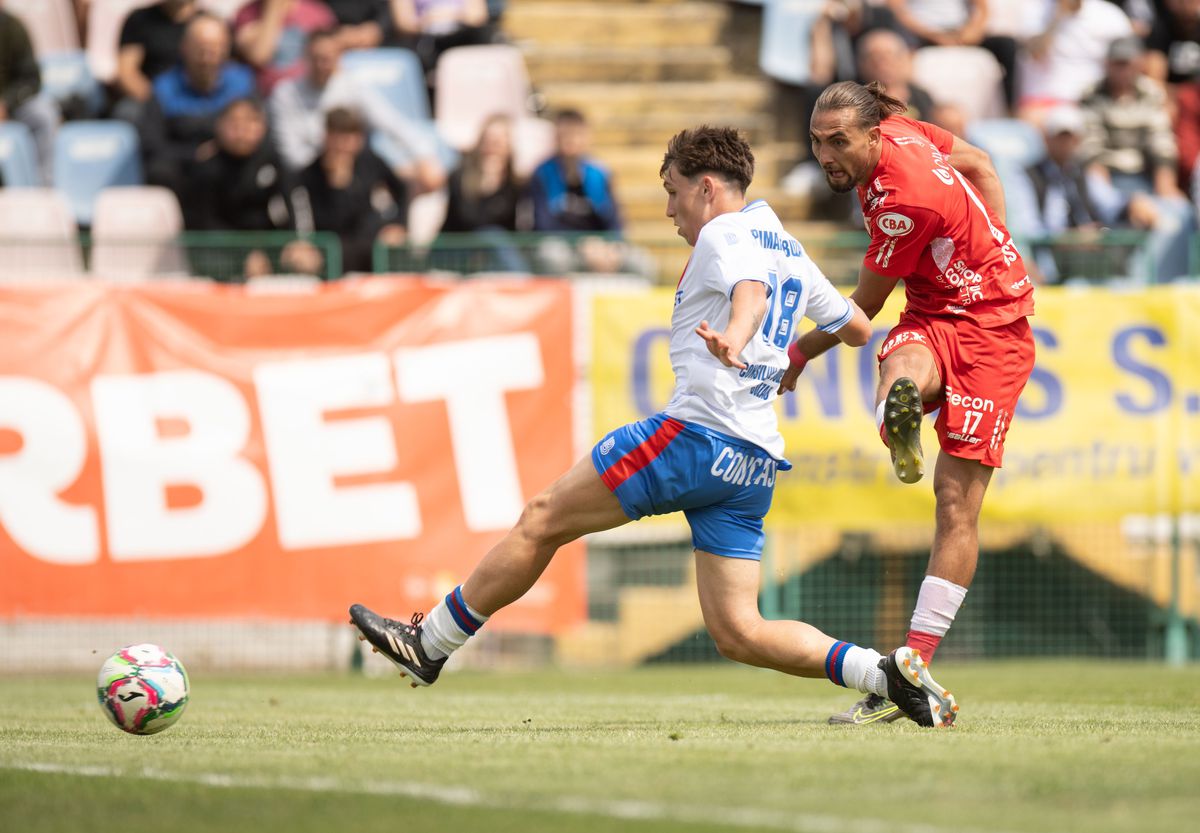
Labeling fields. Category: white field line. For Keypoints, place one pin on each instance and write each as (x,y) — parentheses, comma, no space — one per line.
(742,817)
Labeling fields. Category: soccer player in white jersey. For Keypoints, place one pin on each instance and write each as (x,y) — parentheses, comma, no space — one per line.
(713,453)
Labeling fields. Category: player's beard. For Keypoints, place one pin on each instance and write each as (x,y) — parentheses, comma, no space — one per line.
(840,186)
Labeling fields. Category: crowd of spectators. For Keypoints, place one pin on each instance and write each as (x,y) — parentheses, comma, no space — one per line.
(249,119)
(1113,86)
(250,122)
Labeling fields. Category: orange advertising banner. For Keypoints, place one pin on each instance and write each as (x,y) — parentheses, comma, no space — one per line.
(190,450)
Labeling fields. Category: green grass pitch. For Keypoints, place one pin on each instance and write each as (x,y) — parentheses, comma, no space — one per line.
(1040,746)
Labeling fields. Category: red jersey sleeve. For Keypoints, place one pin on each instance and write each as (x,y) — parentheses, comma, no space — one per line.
(899,236)
(943,140)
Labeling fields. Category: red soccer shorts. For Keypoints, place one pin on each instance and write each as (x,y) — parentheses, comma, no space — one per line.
(983,372)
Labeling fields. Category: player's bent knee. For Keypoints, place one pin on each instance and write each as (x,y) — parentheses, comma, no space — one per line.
(542,521)
(733,642)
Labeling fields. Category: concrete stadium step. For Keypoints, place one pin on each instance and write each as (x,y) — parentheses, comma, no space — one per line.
(638,164)
(549,63)
(655,129)
(719,100)
(642,201)
(617,24)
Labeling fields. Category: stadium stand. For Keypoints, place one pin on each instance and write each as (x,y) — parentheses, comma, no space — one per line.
(967,76)
(67,78)
(426,214)
(105,18)
(51,24)
(18,156)
(784,54)
(37,235)
(1012,143)
(135,232)
(473,82)
(396,73)
(90,156)
(533,143)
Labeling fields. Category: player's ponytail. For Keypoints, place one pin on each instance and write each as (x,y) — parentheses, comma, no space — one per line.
(871,103)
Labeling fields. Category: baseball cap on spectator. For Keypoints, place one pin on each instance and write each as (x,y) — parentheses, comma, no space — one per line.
(1064,119)
(1125,48)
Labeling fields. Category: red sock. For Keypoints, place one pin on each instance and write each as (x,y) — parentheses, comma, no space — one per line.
(926,643)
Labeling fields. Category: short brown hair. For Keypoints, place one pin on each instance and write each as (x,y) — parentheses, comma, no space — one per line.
(344,120)
(870,103)
(718,150)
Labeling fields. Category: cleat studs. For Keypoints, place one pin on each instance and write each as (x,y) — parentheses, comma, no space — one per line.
(374,650)
(954,708)
(907,663)
(413,685)
(945,694)
(937,707)
(361,638)
(916,653)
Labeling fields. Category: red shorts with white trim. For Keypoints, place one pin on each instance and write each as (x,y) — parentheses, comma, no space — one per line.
(983,371)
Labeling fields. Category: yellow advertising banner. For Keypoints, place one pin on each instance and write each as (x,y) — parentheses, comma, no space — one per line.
(1108,425)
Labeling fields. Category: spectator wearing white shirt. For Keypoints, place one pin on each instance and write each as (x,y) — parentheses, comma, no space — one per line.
(1067,60)
(298,108)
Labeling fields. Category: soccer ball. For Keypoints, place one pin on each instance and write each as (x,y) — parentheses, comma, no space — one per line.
(143,689)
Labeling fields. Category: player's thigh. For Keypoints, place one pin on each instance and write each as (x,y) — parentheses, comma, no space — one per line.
(728,591)
(575,504)
(910,351)
(985,373)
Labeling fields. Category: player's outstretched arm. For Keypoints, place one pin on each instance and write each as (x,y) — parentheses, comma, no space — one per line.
(868,298)
(976,166)
(749,305)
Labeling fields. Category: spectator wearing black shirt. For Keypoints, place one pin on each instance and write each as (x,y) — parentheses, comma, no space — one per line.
(484,190)
(430,27)
(149,45)
(181,115)
(240,183)
(361,24)
(486,197)
(21,98)
(1174,43)
(350,191)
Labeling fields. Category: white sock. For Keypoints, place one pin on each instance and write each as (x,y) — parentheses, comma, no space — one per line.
(449,625)
(856,668)
(937,605)
(879,414)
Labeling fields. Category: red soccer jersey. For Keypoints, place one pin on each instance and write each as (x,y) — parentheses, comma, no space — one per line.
(929,226)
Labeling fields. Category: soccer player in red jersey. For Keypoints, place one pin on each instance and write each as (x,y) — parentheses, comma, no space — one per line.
(934,208)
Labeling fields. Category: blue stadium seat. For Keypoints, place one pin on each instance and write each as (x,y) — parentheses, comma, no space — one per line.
(397,73)
(785,53)
(18,156)
(1013,144)
(69,81)
(93,155)
(387,149)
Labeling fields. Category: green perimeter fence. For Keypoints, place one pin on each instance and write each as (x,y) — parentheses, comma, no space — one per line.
(230,256)
(1038,591)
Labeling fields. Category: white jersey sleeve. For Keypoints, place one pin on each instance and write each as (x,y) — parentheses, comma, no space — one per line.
(827,308)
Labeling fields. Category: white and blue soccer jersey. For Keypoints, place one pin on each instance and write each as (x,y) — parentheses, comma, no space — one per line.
(747,245)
